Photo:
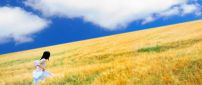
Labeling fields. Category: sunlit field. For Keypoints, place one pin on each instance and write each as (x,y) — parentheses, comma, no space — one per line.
(170,55)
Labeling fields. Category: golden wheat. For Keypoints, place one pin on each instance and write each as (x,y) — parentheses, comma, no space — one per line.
(170,55)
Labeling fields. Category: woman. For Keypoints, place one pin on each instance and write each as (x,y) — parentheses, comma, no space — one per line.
(40,73)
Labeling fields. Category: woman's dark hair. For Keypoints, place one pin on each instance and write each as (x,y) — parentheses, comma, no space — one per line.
(46,55)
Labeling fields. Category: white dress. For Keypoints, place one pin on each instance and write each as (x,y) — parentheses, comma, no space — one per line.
(39,74)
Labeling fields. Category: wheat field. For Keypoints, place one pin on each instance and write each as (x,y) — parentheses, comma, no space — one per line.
(169,55)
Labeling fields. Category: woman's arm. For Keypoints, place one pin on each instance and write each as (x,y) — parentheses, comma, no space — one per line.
(40,66)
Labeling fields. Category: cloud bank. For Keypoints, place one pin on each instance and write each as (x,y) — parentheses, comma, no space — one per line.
(18,25)
(114,14)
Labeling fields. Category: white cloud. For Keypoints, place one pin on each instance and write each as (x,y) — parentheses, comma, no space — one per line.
(148,19)
(18,25)
(170,12)
(110,14)
(193,8)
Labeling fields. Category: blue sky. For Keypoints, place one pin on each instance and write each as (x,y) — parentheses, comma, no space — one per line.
(28,24)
